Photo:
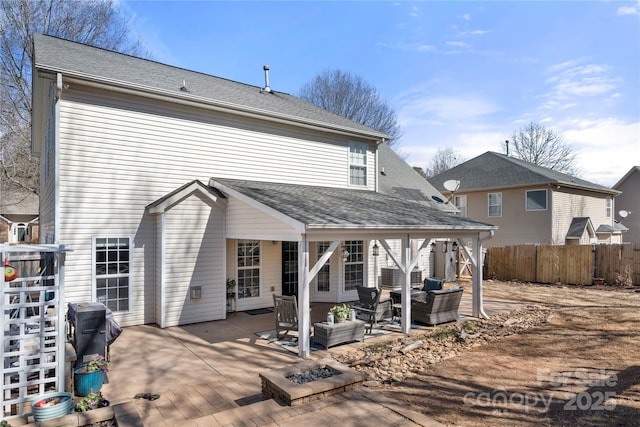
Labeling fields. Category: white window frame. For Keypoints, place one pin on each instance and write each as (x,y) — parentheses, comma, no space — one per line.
(112,276)
(358,162)
(245,267)
(546,200)
(460,202)
(356,258)
(325,270)
(490,205)
(609,206)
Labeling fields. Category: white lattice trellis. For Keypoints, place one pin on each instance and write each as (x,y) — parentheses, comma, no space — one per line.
(33,326)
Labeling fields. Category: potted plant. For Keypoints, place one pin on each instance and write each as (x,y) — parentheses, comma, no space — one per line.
(91,401)
(90,377)
(340,312)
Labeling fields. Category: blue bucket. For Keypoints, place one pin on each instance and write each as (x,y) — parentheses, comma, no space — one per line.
(57,405)
(87,382)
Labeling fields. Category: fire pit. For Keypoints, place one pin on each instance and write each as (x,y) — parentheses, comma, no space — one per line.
(309,380)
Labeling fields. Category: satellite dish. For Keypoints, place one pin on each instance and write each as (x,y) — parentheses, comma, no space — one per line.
(451,185)
(623,213)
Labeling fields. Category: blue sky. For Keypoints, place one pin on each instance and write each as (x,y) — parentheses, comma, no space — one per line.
(459,74)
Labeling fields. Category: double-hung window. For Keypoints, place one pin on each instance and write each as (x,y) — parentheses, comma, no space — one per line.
(461,203)
(609,202)
(112,269)
(357,163)
(495,204)
(536,200)
(323,276)
(248,268)
(354,265)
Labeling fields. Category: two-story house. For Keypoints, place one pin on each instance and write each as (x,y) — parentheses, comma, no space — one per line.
(166,183)
(531,204)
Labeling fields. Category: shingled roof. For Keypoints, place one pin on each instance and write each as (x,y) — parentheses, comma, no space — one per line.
(327,207)
(89,63)
(493,170)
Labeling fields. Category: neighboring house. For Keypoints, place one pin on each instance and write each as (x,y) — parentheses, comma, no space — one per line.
(629,201)
(532,204)
(165,183)
(18,217)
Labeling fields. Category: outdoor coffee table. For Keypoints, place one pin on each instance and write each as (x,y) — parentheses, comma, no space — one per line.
(338,333)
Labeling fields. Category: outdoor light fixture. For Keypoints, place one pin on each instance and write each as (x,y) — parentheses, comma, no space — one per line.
(376,249)
(454,247)
(344,253)
(433,246)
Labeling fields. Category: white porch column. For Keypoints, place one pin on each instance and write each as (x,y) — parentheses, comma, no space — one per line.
(406,288)
(304,311)
(477,309)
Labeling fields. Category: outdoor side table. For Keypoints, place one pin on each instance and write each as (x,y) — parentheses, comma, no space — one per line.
(338,333)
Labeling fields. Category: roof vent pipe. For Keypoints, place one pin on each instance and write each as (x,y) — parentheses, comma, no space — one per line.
(266,79)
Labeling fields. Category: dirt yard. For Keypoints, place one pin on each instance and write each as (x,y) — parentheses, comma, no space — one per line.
(579,366)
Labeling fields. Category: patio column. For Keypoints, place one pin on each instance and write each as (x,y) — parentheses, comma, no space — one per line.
(304,312)
(406,288)
(477,310)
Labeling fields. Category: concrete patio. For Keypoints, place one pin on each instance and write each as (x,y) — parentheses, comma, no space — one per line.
(207,374)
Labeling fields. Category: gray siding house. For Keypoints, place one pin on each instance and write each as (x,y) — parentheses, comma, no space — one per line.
(166,183)
(532,204)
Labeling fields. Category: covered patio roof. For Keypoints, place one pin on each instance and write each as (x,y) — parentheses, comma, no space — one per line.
(316,213)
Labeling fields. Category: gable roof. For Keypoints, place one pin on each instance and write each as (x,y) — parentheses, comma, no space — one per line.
(341,208)
(493,170)
(166,202)
(578,226)
(87,63)
(634,169)
(397,178)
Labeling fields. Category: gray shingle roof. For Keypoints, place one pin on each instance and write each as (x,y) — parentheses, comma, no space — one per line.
(493,170)
(346,208)
(400,179)
(577,227)
(95,64)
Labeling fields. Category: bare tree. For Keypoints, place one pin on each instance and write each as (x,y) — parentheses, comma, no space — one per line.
(94,22)
(536,144)
(443,160)
(350,96)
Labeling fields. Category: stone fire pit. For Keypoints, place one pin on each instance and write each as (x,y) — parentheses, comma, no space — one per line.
(276,385)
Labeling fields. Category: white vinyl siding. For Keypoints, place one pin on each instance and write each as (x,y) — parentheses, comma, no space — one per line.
(194,245)
(495,204)
(117,155)
(536,200)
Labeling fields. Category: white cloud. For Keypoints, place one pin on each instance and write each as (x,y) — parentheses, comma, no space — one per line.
(629,10)
(466,17)
(593,141)
(571,81)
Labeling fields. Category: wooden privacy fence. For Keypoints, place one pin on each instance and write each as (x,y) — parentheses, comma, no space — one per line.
(617,264)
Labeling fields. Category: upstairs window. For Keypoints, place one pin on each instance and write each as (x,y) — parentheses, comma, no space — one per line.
(609,202)
(357,164)
(537,200)
(495,204)
(461,203)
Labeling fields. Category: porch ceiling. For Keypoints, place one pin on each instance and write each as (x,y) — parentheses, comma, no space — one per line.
(325,210)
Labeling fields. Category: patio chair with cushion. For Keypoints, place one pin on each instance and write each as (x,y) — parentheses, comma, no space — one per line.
(285,308)
(435,307)
(369,307)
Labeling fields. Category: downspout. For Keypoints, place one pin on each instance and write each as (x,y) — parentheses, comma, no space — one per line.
(477,306)
(56,160)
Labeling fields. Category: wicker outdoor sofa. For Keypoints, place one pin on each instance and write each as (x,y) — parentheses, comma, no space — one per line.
(435,307)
